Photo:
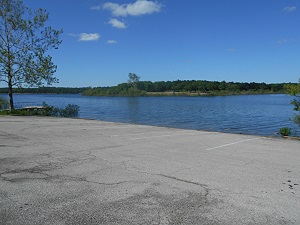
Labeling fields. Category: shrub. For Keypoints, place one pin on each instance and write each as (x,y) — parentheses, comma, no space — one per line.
(285,131)
(69,111)
(296,119)
(4,104)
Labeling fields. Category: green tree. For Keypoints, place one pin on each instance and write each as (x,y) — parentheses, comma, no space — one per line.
(295,91)
(133,79)
(24,41)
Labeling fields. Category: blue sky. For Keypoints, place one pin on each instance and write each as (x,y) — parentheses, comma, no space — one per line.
(231,40)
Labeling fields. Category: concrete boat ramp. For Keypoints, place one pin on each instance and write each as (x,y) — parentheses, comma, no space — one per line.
(75,171)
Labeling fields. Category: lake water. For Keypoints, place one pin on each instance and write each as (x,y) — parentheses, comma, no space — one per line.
(247,114)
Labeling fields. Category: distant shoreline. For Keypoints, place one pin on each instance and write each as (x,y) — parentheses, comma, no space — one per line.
(163,88)
(188,94)
(158,94)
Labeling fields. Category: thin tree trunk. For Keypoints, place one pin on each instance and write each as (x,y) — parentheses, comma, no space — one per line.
(9,77)
(10,94)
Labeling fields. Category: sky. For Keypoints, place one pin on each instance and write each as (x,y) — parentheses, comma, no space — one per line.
(166,40)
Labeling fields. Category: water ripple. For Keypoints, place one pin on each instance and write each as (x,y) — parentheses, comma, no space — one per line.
(248,114)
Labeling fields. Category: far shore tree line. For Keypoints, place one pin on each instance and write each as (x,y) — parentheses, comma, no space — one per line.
(186,87)
(142,88)
(45,90)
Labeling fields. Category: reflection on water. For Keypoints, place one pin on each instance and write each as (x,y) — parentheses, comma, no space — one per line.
(133,108)
(247,114)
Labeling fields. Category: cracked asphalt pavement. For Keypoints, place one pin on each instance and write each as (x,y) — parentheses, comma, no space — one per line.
(75,171)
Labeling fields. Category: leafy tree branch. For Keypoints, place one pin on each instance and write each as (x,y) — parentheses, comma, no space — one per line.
(24,42)
(295,91)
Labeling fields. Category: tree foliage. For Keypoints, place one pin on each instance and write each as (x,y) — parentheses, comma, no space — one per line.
(24,42)
(188,86)
(294,89)
(133,79)
(178,87)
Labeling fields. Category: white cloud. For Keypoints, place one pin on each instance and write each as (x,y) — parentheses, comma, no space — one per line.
(138,8)
(98,7)
(73,35)
(290,9)
(116,9)
(286,41)
(111,42)
(282,41)
(117,23)
(89,37)
(232,49)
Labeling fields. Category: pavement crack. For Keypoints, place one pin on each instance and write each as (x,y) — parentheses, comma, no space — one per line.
(27,174)
(106,184)
(204,186)
(187,168)
(83,179)
(185,181)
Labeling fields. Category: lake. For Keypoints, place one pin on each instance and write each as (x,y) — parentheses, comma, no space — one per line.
(246,114)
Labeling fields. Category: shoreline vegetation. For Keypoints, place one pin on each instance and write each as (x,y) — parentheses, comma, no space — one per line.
(70,110)
(164,88)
